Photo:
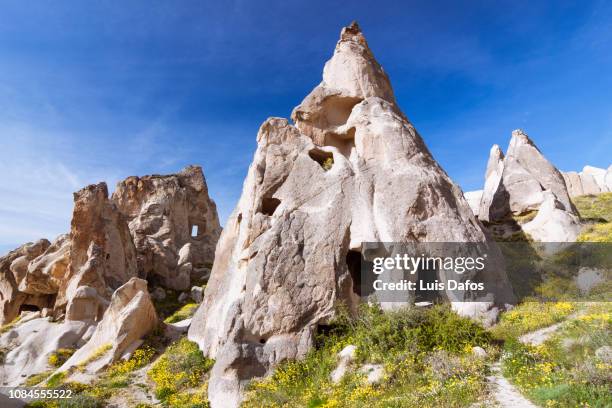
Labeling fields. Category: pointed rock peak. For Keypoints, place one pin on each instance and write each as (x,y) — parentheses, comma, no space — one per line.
(353,68)
(496,152)
(495,162)
(349,77)
(519,138)
(352,33)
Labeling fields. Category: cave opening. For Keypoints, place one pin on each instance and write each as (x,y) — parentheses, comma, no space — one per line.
(269,205)
(325,159)
(353,262)
(28,308)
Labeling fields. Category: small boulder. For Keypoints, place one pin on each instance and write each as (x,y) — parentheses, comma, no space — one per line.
(604,353)
(375,373)
(345,358)
(588,278)
(479,352)
(183,297)
(197,294)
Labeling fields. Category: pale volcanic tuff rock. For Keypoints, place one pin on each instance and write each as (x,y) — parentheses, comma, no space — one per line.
(13,271)
(163,211)
(129,317)
(473,198)
(493,175)
(591,180)
(353,169)
(102,255)
(552,222)
(525,175)
(29,345)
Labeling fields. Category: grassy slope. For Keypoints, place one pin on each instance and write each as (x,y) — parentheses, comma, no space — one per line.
(426,355)
(564,371)
(597,210)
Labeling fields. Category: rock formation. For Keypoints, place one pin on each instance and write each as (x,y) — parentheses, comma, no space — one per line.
(129,317)
(473,198)
(29,345)
(525,175)
(552,222)
(493,175)
(353,169)
(102,255)
(14,269)
(174,224)
(82,290)
(77,273)
(591,180)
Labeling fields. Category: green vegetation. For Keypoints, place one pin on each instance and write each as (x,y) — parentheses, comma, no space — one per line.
(328,163)
(168,305)
(56,379)
(180,375)
(530,316)
(596,209)
(183,313)
(10,325)
(59,357)
(96,355)
(38,378)
(426,355)
(565,371)
(118,376)
(525,218)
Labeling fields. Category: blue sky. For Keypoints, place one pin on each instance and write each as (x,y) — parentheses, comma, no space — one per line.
(93,91)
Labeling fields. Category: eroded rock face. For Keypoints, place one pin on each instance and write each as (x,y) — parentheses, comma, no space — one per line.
(30,344)
(45,272)
(591,180)
(129,317)
(346,173)
(14,269)
(525,175)
(473,198)
(348,78)
(525,183)
(553,223)
(174,224)
(102,255)
(493,175)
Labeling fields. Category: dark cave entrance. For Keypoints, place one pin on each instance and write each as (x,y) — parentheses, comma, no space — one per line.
(353,262)
(269,205)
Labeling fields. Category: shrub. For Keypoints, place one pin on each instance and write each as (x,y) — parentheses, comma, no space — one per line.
(181,367)
(139,359)
(36,379)
(407,342)
(564,371)
(60,356)
(183,313)
(530,316)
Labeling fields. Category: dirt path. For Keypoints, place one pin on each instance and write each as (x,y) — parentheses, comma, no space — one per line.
(535,338)
(507,395)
